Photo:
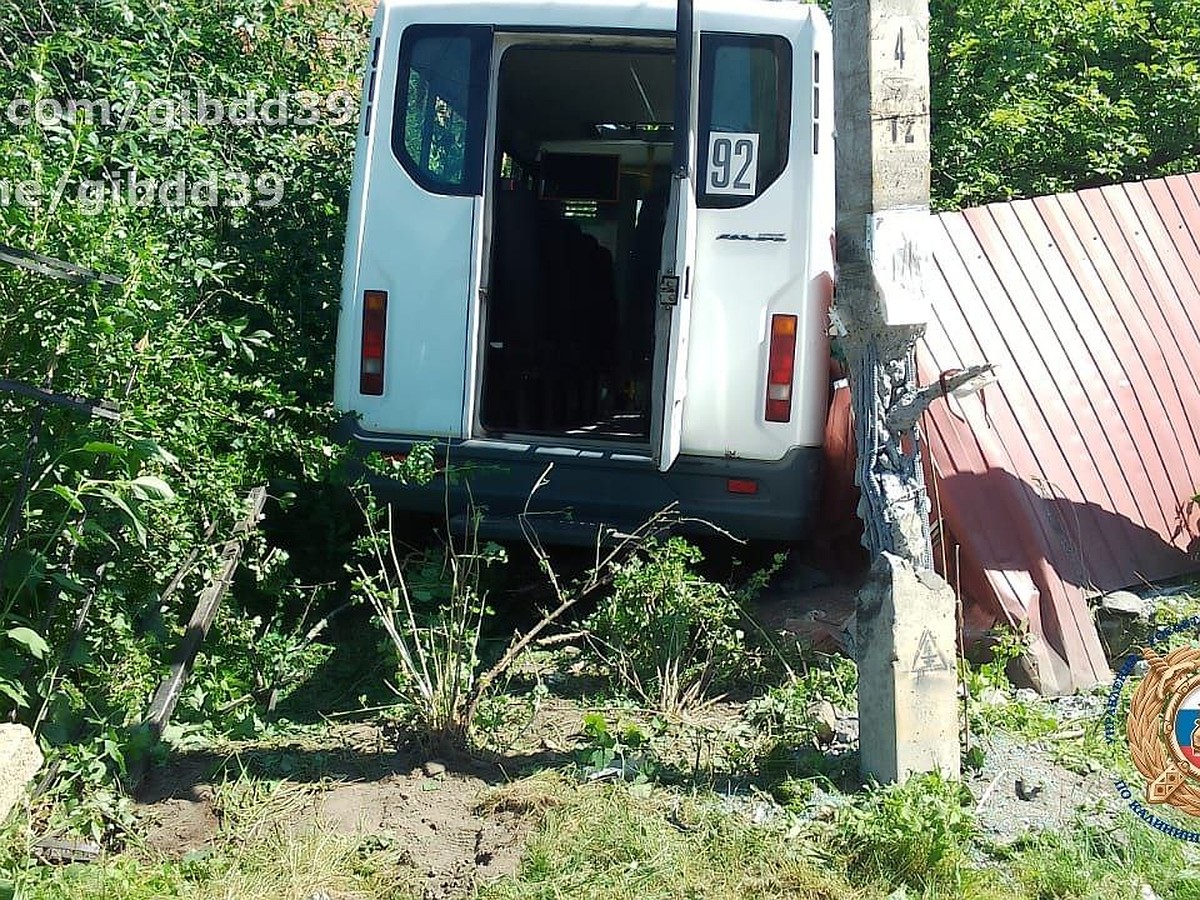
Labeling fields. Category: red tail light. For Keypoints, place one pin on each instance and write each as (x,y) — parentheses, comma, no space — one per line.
(781,368)
(370,379)
(741,486)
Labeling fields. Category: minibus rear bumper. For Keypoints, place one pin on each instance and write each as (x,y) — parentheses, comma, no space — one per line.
(588,489)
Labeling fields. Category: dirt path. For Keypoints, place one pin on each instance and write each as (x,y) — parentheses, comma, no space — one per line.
(425,810)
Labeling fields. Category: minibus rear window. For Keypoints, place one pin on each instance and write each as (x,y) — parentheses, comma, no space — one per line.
(745,116)
(441,106)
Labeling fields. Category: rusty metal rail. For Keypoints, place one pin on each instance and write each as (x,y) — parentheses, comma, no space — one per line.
(55,268)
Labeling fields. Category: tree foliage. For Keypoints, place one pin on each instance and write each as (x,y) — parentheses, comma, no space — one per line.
(1036,96)
(217,346)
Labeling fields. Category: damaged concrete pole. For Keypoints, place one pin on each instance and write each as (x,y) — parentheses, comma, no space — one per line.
(905,617)
(907,677)
(20,760)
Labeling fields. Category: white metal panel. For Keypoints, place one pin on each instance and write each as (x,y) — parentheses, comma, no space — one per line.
(771,256)
(346,368)
(402,239)
(676,273)
(673,330)
(420,247)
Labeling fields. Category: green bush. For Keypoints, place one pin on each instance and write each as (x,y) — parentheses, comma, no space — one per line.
(914,834)
(217,346)
(666,633)
(432,605)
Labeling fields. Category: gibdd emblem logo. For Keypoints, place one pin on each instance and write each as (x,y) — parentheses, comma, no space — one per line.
(1164,729)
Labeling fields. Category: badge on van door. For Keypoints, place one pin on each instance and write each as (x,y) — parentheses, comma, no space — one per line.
(732,164)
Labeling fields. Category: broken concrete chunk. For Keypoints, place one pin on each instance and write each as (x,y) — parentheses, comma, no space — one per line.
(20,760)
(1127,603)
(824,720)
(907,672)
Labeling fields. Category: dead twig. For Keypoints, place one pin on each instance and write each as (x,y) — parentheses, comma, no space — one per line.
(597,576)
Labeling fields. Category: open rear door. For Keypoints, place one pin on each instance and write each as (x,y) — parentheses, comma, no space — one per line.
(673,312)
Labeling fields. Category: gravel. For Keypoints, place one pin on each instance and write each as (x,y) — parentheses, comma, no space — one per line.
(1021,788)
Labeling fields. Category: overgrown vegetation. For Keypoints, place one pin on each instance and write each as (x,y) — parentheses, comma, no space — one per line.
(215,348)
(730,777)
(1033,97)
(601,842)
(258,855)
(433,607)
(698,627)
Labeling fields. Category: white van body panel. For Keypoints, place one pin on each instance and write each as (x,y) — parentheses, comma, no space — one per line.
(409,238)
(414,244)
(764,258)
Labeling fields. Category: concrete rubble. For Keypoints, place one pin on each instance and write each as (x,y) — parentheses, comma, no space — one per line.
(20,761)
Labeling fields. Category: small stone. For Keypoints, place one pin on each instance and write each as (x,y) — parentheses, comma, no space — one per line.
(20,760)
(762,813)
(1027,792)
(1127,603)
(846,737)
(434,768)
(994,696)
(824,720)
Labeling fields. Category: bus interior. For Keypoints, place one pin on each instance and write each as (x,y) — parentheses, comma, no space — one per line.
(579,197)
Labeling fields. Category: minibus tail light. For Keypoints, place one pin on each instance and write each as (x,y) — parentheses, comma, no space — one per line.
(781,367)
(374,330)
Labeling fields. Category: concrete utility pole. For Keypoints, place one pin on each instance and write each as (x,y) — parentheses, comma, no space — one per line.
(906,647)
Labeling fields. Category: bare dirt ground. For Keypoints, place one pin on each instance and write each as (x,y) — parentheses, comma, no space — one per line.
(1021,787)
(426,810)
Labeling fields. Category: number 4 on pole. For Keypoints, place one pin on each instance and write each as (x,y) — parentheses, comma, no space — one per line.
(899,54)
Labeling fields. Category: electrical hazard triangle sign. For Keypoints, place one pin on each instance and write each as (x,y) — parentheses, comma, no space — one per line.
(929,656)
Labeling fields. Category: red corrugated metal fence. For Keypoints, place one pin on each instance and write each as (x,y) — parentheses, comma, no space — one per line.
(1073,474)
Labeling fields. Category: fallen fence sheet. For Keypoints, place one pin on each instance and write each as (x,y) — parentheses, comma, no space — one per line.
(1074,473)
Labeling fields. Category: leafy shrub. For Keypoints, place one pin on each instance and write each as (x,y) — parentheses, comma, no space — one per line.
(789,736)
(433,608)
(217,346)
(991,702)
(913,834)
(620,744)
(1038,97)
(786,709)
(666,633)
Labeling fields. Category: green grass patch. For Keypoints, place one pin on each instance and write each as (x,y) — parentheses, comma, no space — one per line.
(1090,862)
(261,853)
(601,842)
